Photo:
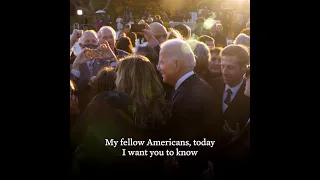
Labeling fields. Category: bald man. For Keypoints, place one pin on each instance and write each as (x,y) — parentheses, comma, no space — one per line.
(107,33)
(193,116)
(159,32)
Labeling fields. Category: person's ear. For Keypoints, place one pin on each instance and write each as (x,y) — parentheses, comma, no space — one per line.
(243,69)
(177,65)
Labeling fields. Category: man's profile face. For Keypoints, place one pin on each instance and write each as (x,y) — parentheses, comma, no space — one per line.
(232,72)
(166,68)
(106,35)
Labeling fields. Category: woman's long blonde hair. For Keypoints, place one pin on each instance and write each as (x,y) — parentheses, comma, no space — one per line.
(137,77)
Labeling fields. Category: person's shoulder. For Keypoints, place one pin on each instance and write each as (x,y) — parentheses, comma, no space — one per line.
(195,86)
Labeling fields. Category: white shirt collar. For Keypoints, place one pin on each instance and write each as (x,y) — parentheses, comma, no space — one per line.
(234,89)
(183,78)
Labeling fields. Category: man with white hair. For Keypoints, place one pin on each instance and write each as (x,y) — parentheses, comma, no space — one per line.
(159,32)
(192,101)
(84,68)
(107,33)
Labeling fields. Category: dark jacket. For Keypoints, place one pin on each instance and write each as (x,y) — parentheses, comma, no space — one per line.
(109,116)
(238,110)
(193,118)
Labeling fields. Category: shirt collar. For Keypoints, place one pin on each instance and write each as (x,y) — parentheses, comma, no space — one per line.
(234,89)
(88,62)
(183,78)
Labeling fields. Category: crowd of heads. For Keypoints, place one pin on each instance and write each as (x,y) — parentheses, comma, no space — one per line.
(147,73)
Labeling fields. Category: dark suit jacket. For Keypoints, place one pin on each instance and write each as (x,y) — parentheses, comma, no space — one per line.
(192,106)
(108,117)
(193,118)
(237,111)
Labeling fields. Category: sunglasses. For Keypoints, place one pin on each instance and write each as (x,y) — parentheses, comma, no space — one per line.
(159,36)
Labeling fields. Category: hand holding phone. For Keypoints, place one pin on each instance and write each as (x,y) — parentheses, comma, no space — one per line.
(93,53)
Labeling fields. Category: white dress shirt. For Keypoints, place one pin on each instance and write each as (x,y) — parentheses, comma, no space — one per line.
(183,78)
(234,91)
(77,73)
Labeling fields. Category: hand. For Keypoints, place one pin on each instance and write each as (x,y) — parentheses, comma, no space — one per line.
(107,51)
(227,129)
(76,34)
(74,106)
(147,32)
(80,59)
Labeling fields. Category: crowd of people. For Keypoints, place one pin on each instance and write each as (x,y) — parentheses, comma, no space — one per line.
(180,83)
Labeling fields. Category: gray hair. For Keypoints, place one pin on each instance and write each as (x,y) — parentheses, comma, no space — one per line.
(107,27)
(84,35)
(242,39)
(202,53)
(177,49)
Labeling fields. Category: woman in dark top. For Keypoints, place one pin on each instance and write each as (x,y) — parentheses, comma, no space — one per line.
(136,110)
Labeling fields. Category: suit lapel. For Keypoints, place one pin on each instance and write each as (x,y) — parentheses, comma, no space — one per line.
(237,99)
(220,86)
(184,83)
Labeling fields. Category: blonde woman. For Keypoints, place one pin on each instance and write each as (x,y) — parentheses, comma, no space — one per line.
(136,111)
